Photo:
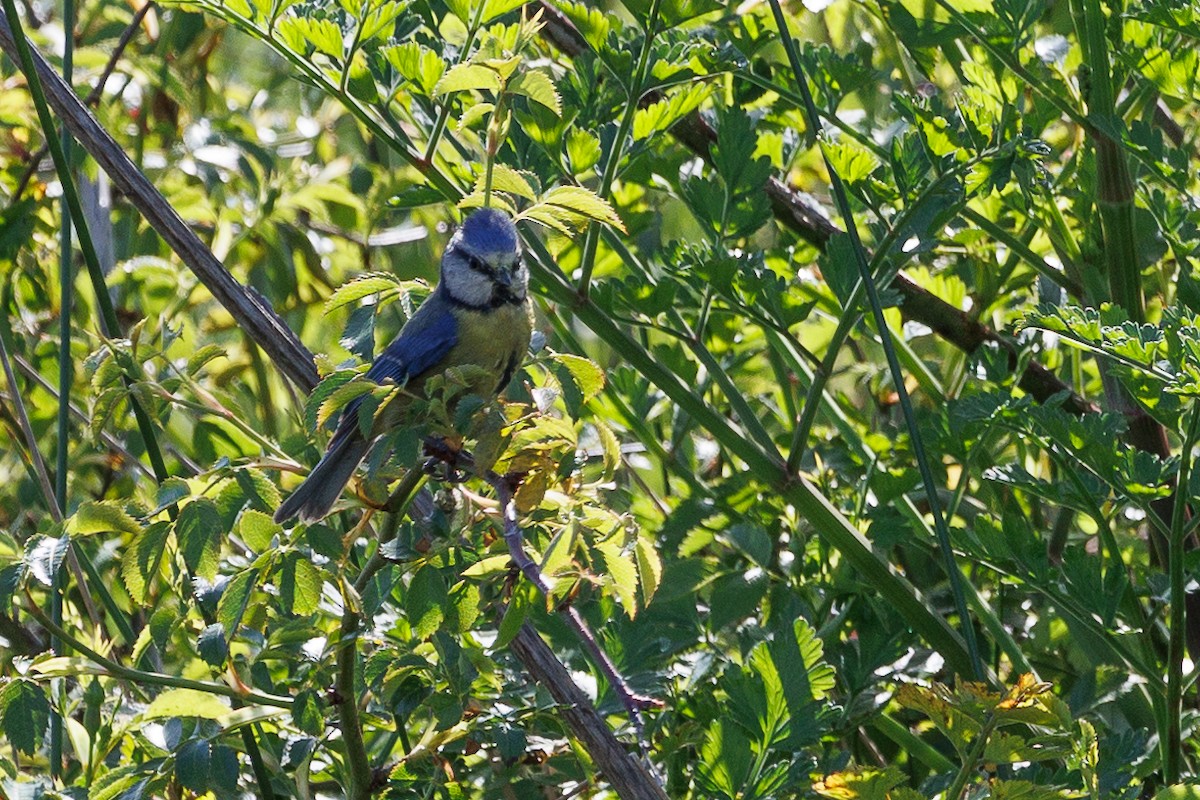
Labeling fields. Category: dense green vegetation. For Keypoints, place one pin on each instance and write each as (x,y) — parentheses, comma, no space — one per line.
(927,536)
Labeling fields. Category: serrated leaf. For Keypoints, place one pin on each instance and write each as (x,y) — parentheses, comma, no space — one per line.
(465,77)
(621,569)
(169,493)
(538,88)
(258,530)
(24,714)
(186,703)
(101,517)
(342,397)
(564,206)
(300,585)
(474,113)
(141,560)
(231,608)
(322,34)
(213,645)
(660,116)
(649,568)
(192,762)
(360,287)
(586,374)
(476,200)
(506,179)
(306,712)
(198,532)
(425,601)
(322,392)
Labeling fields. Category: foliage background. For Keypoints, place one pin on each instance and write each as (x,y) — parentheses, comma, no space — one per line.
(737,508)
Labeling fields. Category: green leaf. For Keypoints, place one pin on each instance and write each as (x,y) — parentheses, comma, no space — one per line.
(258,530)
(169,493)
(583,150)
(142,559)
(425,601)
(538,88)
(507,179)
(192,762)
(186,703)
(198,532)
(202,356)
(585,373)
(307,713)
(621,569)
(565,206)
(213,645)
(322,393)
(342,397)
(514,617)
(322,34)
(24,714)
(231,608)
(649,568)
(473,114)
(496,8)
(101,517)
(417,64)
(465,77)
(300,585)
(660,116)
(360,287)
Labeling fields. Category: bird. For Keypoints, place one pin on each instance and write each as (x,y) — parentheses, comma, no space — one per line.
(479,315)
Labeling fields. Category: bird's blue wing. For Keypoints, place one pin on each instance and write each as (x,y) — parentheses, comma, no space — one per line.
(422,343)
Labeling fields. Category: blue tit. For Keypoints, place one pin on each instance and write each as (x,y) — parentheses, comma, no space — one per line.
(479,315)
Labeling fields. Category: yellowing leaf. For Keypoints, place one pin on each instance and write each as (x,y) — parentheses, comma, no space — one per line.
(507,179)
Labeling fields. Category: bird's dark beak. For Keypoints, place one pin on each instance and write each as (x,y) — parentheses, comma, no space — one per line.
(504,278)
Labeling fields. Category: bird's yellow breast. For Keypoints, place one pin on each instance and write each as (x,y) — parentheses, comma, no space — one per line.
(495,340)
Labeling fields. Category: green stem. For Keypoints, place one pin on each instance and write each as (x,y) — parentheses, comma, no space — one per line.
(358,764)
(139,677)
(616,150)
(1172,738)
(972,760)
(65,373)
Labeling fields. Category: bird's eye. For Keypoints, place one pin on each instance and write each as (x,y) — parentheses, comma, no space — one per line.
(479,265)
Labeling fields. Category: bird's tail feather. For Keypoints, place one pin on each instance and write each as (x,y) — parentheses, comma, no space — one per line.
(314,498)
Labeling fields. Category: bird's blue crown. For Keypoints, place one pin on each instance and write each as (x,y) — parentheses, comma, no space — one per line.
(489,231)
